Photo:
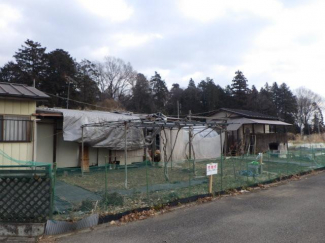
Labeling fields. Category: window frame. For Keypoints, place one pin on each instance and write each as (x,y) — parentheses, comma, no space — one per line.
(24,118)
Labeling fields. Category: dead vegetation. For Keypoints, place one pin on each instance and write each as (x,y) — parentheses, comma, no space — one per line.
(301,139)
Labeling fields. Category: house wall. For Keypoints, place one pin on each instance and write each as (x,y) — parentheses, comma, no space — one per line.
(18,150)
(259,128)
(44,142)
(67,153)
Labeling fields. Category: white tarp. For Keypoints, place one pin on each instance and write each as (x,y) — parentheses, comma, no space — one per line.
(108,137)
(206,144)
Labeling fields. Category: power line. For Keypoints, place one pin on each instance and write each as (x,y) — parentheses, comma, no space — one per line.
(80,102)
(97,106)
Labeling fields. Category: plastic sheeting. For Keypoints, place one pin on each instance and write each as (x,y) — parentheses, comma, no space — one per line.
(108,137)
(205,143)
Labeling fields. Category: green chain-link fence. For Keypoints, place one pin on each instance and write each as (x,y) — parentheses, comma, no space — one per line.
(151,184)
(26,190)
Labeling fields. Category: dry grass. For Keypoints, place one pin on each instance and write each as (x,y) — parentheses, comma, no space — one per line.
(182,174)
(313,138)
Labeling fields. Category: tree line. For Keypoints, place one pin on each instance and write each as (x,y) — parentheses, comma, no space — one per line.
(114,85)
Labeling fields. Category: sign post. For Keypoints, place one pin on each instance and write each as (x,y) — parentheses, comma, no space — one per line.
(212,169)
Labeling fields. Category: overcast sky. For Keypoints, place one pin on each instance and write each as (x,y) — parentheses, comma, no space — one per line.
(269,40)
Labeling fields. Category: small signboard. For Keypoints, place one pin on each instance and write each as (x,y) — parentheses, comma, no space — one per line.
(212,169)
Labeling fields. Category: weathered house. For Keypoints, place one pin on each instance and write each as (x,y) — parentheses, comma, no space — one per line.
(251,132)
(17,122)
(60,136)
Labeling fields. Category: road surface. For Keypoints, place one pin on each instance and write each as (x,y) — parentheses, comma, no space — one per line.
(293,212)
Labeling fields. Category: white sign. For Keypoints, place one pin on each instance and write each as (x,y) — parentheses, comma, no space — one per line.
(212,169)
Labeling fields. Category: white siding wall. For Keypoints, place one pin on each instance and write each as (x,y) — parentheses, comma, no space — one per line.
(67,153)
(44,142)
(20,151)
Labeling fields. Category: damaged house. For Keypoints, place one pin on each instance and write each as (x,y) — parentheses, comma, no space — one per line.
(251,132)
(60,135)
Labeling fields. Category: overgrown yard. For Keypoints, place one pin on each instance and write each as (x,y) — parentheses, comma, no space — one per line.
(148,185)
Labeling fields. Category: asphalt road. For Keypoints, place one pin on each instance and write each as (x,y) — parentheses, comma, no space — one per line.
(293,212)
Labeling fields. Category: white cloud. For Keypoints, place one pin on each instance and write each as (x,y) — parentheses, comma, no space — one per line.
(9,18)
(100,53)
(115,10)
(195,76)
(8,15)
(282,51)
(133,40)
(209,10)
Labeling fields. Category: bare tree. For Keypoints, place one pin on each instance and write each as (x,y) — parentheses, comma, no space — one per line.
(115,77)
(308,103)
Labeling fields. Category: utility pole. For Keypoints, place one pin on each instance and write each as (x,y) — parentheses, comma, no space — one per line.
(68,94)
(70,80)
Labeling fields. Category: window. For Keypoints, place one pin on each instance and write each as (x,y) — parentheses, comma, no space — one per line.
(272,129)
(15,128)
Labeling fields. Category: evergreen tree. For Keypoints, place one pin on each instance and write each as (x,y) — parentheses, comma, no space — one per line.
(191,98)
(275,91)
(253,100)
(142,100)
(12,73)
(265,104)
(87,88)
(33,62)
(61,76)
(175,96)
(287,105)
(159,92)
(213,96)
(239,89)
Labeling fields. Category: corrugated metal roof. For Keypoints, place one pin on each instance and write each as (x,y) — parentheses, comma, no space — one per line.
(21,91)
(234,124)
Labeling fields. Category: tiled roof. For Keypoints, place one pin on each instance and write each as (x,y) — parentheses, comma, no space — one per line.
(249,114)
(21,91)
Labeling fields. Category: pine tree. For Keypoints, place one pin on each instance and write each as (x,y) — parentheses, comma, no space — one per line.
(239,89)
(213,96)
(275,91)
(61,66)
(253,100)
(142,100)
(287,104)
(33,62)
(191,98)
(159,92)
(175,96)
(12,73)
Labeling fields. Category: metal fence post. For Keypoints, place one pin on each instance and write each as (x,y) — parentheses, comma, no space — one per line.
(221,160)
(53,189)
(105,183)
(125,155)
